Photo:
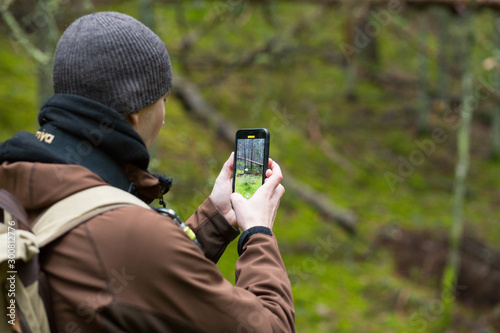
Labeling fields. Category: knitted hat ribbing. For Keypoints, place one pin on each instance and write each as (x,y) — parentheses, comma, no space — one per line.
(113,59)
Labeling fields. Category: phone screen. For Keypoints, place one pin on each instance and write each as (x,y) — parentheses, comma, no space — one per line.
(250,163)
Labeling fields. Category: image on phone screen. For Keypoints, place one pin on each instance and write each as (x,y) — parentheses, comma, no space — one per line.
(250,166)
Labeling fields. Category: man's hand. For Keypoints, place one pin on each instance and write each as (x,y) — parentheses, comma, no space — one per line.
(222,190)
(260,209)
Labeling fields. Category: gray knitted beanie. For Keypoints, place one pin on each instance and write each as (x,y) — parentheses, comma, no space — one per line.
(113,59)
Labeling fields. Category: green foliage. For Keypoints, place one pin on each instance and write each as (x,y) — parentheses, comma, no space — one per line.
(17,90)
(282,91)
(247,183)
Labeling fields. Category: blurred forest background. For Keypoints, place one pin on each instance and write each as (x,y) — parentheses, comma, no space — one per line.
(384,115)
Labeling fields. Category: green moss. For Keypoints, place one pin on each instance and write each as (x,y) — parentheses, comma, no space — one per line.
(297,92)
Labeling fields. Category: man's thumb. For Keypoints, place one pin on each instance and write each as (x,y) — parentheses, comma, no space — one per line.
(236,200)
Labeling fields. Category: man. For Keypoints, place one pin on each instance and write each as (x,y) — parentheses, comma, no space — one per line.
(131,269)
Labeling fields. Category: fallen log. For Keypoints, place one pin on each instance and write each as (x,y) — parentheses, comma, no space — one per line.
(196,106)
(246,159)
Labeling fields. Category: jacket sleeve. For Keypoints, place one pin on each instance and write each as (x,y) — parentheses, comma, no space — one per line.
(212,230)
(172,283)
(261,271)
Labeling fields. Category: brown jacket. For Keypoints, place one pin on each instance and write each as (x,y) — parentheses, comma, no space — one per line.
(134,270)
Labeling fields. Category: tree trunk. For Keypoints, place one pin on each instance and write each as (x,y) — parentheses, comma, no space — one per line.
(450,275)
(47,36)
(251,155)
(370,58)
(356,43)
(496,131)
(423,69)
(442,16)
(146,13)
(245,145)
(496,112)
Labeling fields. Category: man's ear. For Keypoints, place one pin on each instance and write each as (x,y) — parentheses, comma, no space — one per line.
(133,119)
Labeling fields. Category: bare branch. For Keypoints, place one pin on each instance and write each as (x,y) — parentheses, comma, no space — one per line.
(454,4)
(274,46)
(6,4)
(19,35)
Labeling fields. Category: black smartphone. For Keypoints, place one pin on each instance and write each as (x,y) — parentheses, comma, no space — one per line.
(251,156)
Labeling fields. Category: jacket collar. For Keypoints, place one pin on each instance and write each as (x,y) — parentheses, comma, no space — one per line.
(77,130)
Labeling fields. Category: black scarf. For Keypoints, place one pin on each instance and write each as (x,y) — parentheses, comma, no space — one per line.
(77,130)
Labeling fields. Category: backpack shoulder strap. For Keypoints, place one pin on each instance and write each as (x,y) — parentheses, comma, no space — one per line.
(35,314)
(78,208)
(13,216)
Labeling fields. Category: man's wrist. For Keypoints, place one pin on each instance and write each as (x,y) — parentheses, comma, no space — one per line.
(245,236)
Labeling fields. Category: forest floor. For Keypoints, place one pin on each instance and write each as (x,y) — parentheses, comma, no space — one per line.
(247,184)
(383,279)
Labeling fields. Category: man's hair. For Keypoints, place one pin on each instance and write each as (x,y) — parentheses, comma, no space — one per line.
(113,59)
